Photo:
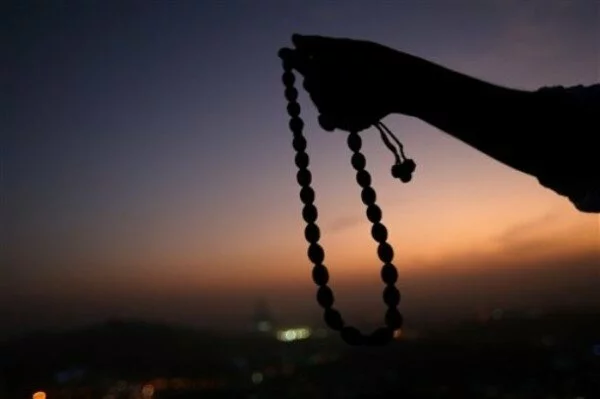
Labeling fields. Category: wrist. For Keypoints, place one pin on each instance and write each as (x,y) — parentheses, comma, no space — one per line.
(418,87)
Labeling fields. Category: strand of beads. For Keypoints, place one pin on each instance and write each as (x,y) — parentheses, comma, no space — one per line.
(312,233)
(385,252)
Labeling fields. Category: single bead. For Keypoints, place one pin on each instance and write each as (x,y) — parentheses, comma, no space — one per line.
(389,274)
(304,177)
(293,109)
(287,64)
(358,161)
(397,171)
(288,78)
(368,196)
(299,143)
(320,275)
(325,297)
(393,319)
(363,178)
(333,319)
(309,213)
(296,125)
(312,233)
(301,159)
(410,165)
(352,336)
(404,170)
(381,336)
(391,296)
(291,94)
(316,254)
(307,195)
(354,142)
(379,232)
(374,213)
(385,252)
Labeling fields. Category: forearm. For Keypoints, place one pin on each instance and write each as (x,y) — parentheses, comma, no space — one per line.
(500,122)
(549,134)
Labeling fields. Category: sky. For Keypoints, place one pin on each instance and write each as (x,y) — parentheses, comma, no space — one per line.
(147,166)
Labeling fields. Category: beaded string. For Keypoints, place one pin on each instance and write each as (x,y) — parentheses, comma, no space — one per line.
(402,169)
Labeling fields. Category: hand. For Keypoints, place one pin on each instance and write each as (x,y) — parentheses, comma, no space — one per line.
(351,82)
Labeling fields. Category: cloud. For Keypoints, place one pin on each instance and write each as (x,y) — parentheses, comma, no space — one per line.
(345,223)
(528,230)
(559,230)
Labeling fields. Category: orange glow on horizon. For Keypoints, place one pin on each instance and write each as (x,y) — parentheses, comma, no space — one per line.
(449,229)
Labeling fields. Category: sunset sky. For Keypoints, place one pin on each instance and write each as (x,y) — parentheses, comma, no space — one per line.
(147,166)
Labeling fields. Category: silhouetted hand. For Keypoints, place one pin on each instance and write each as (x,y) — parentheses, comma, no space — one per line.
(353,83)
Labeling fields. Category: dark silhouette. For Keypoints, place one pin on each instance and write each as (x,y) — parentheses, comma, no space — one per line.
(320,274)
(550,133)
(517,355)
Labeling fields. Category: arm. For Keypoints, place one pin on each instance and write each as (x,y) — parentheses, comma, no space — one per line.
(485,116)
(551,134)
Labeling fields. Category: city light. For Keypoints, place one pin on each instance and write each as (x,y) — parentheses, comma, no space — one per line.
(257,377)
(264,326)
(293,334)
(147,391)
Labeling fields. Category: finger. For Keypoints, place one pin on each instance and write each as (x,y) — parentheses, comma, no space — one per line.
(284,53)
(324,104)
(313,44)
(295,60)
(326,123)
(351,124)
(347,121)
(330,122)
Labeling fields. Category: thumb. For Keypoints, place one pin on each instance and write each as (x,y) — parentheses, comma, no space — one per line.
(312,43)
